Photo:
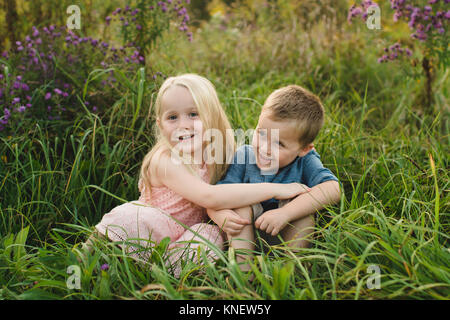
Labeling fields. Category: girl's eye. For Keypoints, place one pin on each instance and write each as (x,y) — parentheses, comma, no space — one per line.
(193,114)
(172,117)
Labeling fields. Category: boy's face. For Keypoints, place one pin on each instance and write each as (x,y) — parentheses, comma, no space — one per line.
(276,143)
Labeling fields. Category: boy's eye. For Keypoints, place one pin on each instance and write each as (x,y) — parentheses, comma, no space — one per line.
(281,144)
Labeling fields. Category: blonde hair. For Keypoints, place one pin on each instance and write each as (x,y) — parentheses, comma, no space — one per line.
(211,114)
(297,104)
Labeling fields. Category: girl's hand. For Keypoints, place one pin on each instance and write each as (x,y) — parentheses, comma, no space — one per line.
(229,221)
(290,190)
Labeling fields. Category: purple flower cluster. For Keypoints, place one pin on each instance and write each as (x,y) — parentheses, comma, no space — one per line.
(428,21)
(48,67)
(20,100)
(143,23)
(424,21)
(393,52)
(356,11)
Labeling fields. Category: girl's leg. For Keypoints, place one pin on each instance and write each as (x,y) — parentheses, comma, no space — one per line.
(88,245)
(244,242)
(187,246)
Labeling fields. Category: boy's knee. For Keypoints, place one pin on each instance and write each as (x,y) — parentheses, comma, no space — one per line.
(300,232)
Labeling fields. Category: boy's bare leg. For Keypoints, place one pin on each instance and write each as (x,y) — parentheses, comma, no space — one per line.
(244,241)
(298,232)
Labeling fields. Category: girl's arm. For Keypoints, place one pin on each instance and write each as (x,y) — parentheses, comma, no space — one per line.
(227,196)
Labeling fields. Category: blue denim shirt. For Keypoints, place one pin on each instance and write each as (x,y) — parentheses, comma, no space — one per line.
(307,170)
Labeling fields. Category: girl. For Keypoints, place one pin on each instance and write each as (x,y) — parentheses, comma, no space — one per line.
(176,188)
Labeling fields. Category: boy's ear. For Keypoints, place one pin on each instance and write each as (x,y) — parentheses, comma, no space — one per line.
(305,150)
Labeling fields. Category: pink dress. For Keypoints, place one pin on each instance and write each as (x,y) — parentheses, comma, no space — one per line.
(143,223)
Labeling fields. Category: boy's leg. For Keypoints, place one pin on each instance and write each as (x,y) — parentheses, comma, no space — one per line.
(244,241)
(297,234)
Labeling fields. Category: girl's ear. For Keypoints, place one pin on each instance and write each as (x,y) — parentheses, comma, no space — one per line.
(305,150)
(158,122)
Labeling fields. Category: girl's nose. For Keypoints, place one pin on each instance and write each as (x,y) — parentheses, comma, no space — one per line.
(185,123)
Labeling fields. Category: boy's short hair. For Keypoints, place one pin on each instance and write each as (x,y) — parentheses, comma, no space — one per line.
(298,104)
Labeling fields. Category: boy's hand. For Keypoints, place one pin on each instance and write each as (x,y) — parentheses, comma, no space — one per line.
(290,190)
(272,221)
(229,221)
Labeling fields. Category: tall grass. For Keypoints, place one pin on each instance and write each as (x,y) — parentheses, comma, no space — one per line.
(393,166)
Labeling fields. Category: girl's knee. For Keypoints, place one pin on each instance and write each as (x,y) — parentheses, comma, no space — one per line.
(245,212)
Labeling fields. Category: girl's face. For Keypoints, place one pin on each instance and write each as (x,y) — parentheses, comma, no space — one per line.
(180,121)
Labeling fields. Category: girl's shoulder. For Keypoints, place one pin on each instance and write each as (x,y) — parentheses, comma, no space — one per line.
(160,157)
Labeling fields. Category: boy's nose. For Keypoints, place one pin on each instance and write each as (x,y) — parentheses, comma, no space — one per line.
(264,148)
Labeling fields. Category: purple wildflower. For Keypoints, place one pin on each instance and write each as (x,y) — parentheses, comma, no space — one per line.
(105,267)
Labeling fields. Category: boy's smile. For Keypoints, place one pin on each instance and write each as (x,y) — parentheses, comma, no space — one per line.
(276,144)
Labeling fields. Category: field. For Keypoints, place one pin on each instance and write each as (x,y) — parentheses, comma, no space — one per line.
(386,138)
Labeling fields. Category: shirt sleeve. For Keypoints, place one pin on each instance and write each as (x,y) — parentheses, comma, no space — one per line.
(314,172)
(236,170)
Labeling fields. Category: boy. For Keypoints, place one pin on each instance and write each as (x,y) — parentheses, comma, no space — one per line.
(282,151)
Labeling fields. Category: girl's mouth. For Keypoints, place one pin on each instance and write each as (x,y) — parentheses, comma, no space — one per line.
(186,137)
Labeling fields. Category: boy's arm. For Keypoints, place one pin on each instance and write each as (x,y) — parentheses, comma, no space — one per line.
(320,196)
(324,191)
